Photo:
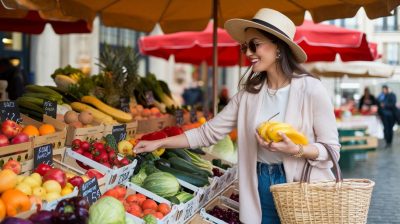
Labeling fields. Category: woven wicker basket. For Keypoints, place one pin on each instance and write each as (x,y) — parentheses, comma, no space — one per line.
(340,201)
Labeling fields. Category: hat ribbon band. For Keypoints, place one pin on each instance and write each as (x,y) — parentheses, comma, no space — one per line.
(262,22)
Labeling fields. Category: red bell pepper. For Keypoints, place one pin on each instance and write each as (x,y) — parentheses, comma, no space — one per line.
(154,136)
(173,130)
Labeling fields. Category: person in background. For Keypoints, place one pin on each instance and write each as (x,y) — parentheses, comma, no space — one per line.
(13,76)
(277,88)
(387,106)
(367,101)
(223,98)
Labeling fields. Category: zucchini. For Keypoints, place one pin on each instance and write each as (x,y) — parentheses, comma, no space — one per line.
(182,154)
(183,165)
(185,176)
(168,154)
(197,151)
(163,162)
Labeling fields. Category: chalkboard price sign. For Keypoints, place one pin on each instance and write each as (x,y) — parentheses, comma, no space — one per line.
(193,115)
(124,104)
(50,108)
(90,190)
(179,117)
(9,111)
(119,132)
(149,97)
(43,154)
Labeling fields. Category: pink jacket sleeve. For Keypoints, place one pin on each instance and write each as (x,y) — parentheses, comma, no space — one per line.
(217,128)
(324,125)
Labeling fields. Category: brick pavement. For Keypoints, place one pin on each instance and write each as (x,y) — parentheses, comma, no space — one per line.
(383,167)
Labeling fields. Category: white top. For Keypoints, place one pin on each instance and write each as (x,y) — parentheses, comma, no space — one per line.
(271,105)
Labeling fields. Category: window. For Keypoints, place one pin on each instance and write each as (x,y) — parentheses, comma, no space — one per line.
(350,23)
(389,23)
(392,52)
(118,37)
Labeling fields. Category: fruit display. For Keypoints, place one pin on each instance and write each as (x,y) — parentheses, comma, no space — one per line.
(270,130)
(138,204)
(11,133)
(226,214)
(100,152)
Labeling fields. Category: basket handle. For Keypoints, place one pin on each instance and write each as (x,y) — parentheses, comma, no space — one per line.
(306,173)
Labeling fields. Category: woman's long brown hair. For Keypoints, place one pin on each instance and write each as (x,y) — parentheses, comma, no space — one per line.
(287,62)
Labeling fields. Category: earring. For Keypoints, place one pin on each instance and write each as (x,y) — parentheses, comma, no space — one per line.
(278,54)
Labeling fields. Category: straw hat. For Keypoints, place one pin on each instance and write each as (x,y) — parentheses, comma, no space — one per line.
(272,22)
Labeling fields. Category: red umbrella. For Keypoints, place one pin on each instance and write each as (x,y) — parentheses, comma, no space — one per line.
(322,42)
(193,47)
(32,23)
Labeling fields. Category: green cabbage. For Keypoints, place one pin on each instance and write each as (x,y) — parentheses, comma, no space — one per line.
(224,149)
(107,210)
(139,177)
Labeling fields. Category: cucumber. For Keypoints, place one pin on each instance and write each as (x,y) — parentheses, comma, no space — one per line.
(185,176)
(182,154)
(183,165)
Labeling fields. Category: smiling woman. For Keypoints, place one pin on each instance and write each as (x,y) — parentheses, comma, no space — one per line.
(277,83)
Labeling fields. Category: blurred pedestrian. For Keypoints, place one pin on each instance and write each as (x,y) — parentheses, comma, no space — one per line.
(223,98)
(367,102)
(13,76)
(386,111)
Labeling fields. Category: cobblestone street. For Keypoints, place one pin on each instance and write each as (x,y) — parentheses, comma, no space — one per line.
(382,166)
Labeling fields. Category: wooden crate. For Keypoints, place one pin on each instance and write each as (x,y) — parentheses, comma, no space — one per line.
(156,124)
(94,132)
(20,152)
(57,139)
(131,129)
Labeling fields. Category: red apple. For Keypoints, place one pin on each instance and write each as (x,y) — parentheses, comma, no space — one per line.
(20,138)
(57,175)
(4,140)
(94,173)
(10,128)
(76,181)
(13,165)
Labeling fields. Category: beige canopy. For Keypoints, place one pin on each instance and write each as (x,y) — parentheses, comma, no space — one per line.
(354,69)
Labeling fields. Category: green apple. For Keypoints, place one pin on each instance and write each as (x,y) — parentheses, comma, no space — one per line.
(25,188)
(52,196)
(39,192)
(37,177)
(31,181)
(52,186)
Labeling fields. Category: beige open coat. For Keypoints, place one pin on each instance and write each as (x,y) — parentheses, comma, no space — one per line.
(309,110)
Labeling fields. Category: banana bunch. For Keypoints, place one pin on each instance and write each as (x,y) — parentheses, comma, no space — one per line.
(269,131)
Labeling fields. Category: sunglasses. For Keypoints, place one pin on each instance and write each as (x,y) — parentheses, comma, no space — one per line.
(252,46)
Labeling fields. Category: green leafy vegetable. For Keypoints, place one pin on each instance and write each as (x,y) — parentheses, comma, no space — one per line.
(107,210)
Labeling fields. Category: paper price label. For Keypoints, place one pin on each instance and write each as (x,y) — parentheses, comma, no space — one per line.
(119,132)
(50,108)
(43,154)
(125,175)
(190,208)
(90,190)
(9,111)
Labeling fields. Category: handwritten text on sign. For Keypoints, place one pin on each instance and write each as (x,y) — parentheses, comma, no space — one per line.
(126,172)
(90,190)
(50,108)
(9,111)
(119,132)
(43,154)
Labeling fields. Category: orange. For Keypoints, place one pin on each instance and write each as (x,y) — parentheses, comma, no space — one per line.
(31,130)
(46,129)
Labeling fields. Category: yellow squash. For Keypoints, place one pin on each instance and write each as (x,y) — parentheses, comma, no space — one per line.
(98,116)
(118,115)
